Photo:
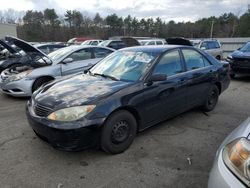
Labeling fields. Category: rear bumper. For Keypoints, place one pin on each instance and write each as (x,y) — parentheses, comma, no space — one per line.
(74,139)
(20,88)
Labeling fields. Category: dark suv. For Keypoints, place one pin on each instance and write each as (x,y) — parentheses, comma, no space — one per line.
(240,60)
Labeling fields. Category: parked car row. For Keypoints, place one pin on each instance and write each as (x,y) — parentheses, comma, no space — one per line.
(95,96)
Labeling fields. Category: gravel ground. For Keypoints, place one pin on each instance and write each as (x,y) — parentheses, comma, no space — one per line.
(157,158)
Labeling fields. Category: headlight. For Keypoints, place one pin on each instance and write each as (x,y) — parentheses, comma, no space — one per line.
(71,114)
(236,156)
(19,76)
(229,57)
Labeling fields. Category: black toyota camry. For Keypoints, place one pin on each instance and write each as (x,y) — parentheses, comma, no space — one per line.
(128,91)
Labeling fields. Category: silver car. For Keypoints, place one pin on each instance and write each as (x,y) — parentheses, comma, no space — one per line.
(231,167)
(212,47)
(65,61)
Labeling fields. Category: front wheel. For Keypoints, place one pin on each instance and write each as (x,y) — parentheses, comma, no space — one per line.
(212,99)
(118,132)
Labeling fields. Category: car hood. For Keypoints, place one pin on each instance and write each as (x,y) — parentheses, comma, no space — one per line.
(8,47)
(76,90)
(27,48)
(240,54)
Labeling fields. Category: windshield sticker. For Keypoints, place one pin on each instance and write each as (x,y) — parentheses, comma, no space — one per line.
(143,57)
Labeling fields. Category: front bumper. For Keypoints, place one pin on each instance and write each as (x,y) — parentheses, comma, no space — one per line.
(221,176)
(19,88)
(75,139)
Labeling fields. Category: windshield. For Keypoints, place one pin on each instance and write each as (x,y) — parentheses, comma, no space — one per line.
(124,65)
(246,48)
(58,54)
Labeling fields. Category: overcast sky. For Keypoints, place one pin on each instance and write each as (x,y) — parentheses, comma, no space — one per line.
(178,10)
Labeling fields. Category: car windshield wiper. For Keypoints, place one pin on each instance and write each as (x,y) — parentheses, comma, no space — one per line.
(105,76)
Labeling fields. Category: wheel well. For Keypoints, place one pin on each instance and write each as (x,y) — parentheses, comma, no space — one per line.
(133,111)
(49,78)
(218,57)
(218,84)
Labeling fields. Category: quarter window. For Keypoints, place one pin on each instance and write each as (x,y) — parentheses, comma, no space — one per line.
(170,64)
(194,60)
(159,43)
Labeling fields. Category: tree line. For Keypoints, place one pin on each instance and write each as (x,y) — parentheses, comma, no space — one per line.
(48,26)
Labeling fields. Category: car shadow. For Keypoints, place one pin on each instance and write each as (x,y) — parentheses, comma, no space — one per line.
(8,97)
(242,78)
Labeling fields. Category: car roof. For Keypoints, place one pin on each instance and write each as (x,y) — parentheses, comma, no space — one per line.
(153,48)
(48,44)
(76,47)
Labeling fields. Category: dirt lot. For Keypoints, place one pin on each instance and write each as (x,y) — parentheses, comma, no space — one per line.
(157,158)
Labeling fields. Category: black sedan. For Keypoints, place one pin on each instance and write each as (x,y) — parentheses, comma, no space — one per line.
(125,93)
(240,60)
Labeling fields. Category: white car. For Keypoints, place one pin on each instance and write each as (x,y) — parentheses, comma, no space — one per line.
(92,42)
(153,42)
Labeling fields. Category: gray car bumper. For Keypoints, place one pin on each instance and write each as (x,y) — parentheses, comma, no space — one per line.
(20,88)
(220,176)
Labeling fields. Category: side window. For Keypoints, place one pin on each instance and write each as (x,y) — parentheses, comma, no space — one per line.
(216,44)
(170,64)
(101,52)
(204,45)
(159,42)
(194,60)
(151,43)
(94,43)
(81,55)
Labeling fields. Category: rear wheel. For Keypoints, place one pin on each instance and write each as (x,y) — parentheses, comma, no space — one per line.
(212,99)
(39,82)
(118,132)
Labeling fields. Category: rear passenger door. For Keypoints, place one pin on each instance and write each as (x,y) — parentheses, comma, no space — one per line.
(200,75)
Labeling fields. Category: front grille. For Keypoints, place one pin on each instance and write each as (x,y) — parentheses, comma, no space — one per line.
(41,110)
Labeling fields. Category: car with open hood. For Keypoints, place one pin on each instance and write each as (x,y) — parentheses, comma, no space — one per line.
(23,81)
(31,57)
(125,93)
(240,60)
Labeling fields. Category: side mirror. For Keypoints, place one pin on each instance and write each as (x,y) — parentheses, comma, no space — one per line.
(158,77)
(67,60)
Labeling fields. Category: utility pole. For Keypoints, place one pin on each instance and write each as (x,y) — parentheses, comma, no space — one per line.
(212,29)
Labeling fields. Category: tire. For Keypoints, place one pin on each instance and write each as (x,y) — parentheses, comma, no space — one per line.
(39,82)
(212,99)
(118,132)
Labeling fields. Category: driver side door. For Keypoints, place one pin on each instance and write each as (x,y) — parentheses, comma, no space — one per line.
(167,98)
